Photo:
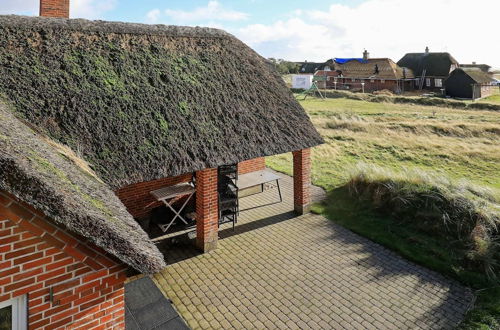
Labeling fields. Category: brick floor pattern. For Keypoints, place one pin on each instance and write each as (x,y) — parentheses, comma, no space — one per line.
(279,271)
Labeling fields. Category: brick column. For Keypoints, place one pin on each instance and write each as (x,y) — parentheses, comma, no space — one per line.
(207,213)
(54,8)
(302,181)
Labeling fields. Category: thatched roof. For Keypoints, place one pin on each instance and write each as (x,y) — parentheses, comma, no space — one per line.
(387,69)
(137,103)
(53,179)
(143,102)
(436,64)
(310,67)
(476,75)
(483,67)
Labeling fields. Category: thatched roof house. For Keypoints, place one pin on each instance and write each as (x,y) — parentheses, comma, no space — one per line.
(374,68)
(435,64)
(483,67)
(367,74)
(312,67)
(126,95)
(50,177)
(138,103)
(90,112)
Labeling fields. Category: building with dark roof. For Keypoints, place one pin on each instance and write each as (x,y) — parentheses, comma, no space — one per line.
(430,69)
(94,116)
(483,67)
(312,67)
(368,74)
(469,83)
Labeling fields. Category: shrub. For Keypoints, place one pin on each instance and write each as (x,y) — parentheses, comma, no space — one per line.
(484,106)
(455,211)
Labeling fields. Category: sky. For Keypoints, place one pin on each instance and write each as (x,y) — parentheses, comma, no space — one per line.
(295,30)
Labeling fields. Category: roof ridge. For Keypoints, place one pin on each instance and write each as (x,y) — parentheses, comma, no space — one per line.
(80,24)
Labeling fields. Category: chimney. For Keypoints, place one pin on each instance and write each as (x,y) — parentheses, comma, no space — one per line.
(474,63)
(427,50)
(54,8)
(366,55)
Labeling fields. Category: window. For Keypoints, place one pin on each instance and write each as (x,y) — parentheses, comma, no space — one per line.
(428,82)
(382,81)
(417,82)
(372,80)
(13,314)
(353,79)
(438,82)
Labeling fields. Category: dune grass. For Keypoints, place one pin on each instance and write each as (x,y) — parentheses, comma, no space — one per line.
(415,152)
(491,99)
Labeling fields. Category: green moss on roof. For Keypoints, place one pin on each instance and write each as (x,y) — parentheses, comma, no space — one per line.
(146,102)
(33,169)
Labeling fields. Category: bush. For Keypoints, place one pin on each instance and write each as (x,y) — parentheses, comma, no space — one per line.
(484,106)
(381,98)
(454,211)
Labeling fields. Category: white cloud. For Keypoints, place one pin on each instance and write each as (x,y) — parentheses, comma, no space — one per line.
(90,9)
(153,15)
(387,28)
(214,11)
(291,39)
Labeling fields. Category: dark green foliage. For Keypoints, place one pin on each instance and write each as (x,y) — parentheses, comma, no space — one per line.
(143,102)
(285,67)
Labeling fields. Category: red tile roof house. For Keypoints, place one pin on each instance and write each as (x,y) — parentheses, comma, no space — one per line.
(367,74)
(93,116)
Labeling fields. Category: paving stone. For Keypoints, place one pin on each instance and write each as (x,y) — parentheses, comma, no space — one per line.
(279,271)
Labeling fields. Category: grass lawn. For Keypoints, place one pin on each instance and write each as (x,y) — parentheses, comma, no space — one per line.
(492,99)
(459,144)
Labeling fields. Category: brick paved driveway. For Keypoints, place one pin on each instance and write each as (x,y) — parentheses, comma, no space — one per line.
(281,271)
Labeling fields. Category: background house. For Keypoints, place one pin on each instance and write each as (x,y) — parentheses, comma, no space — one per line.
(94,115)
(483,67)
(367,74)
(430,69)
(312,67)
(469,83)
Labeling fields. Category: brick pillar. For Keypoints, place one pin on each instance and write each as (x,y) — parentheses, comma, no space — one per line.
(207,213)
(302,181)
(54,8)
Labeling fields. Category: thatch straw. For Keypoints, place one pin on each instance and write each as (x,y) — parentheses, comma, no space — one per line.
(56,182)
(145,102)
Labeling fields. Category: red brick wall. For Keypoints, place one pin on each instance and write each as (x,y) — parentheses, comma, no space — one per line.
(54,8)
(137,196)
(139,202)
(207,213)
(36,255)
(302,180)
(251,165)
